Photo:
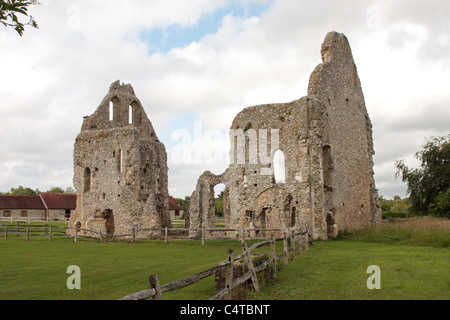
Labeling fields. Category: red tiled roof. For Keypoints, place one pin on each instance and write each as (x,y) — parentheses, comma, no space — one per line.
(60,200)
(55,201)
(21,202)
(174,204)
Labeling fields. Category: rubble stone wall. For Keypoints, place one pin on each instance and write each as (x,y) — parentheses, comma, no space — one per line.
(120,168)
(326,141)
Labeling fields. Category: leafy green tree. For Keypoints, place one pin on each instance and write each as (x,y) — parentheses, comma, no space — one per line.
(69,190)
(21,191)
(400,208)
(433,176)
(219,206)
(56,190)
(9,9)
(386,206)
(184,203)
(441,207)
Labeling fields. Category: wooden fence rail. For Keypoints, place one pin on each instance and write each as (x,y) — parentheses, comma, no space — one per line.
(289,246)
(159,233)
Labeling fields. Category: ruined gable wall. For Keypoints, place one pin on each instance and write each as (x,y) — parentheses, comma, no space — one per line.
(120,168)
(351,195)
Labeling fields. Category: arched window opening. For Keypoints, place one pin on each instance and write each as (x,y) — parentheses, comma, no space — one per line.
(114,110)
(331,226)
(279,167)
(292,224)
(111,111)
(135,112)
(219,190)
(87,180)
(130,114)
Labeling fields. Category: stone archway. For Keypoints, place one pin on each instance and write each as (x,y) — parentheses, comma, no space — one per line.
(331,226)
(109,223)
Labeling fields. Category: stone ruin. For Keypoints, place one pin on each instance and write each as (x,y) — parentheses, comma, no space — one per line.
(325,143)
(325,139)
(120,168)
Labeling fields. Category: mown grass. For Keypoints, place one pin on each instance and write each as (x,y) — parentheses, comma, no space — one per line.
(36,269)
(413,257)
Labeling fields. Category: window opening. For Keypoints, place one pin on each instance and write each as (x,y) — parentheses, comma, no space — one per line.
(279,167)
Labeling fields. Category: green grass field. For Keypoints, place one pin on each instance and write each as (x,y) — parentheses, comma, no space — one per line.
(413,256)
(36,269)
(414,260)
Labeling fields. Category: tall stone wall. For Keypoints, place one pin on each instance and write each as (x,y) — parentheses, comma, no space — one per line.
(351,197)
(326,141)
(120,168)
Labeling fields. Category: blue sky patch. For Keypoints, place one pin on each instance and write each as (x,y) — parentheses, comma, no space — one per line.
(176,36)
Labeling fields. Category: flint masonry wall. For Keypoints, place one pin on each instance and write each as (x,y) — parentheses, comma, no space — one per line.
(350,194)
(120,168)
(326,140)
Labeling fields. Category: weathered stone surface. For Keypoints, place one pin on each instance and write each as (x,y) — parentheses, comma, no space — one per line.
(120,168)
(326,140)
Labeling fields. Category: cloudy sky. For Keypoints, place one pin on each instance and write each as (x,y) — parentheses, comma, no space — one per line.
(195,64)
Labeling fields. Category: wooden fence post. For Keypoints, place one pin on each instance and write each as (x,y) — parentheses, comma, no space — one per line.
(6,232)
(51,234)
(251,268)
(274,257)
(229,271)
(293,244)
(27,237)
(76,235)
(203,234)
(154,284)
(166,235)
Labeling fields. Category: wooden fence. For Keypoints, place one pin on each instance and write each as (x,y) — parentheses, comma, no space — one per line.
(32,230)
(292,242)
(136,234)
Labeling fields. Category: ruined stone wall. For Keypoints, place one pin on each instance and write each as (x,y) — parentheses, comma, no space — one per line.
(253,198)
(351,198)
(326,140)
(120,168)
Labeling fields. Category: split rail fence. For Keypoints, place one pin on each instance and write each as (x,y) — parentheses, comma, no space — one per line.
(165,234)
(44,230)
(292,242)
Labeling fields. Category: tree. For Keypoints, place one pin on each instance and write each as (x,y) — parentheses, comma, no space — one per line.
(400,208)
(9,9)
(184,203)
(21,191)
(432,178)
(441,207)
(218,206)
(69,190)
(55,190)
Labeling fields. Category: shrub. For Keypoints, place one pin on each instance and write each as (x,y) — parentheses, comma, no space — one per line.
(441,207)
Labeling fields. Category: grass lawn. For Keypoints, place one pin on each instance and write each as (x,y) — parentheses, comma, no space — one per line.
(413,257)
(36,269)
(337,270)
